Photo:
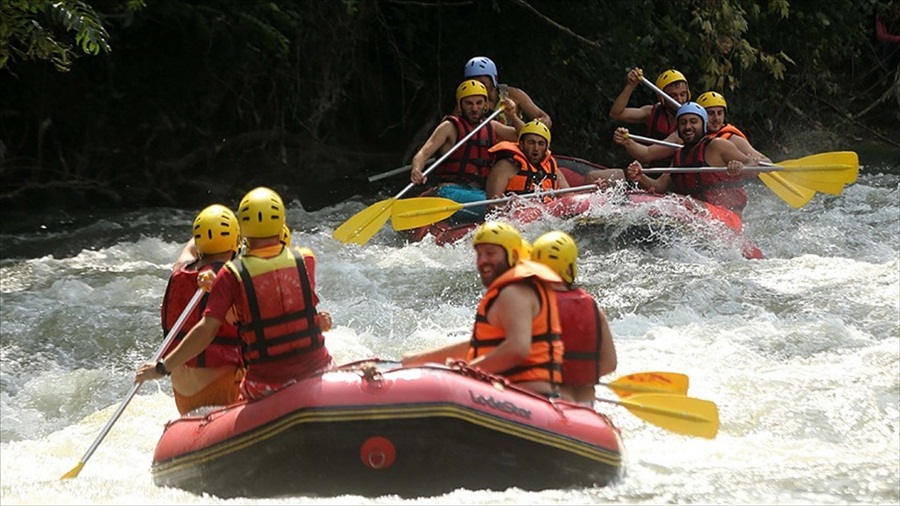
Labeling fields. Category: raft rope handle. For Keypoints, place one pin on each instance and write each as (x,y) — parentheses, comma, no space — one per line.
(463,368)
(370,373)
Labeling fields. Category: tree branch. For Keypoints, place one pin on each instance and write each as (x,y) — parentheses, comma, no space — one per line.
(851,119)
(558,26)
(893,89)
(432,4)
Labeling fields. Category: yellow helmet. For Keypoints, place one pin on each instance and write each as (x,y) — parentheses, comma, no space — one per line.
(503,235)
(470,88)
(712,99)
(216,231)
(537,128)
(672,76)
(286,235)
(526,250)
(261,213)
(558,251)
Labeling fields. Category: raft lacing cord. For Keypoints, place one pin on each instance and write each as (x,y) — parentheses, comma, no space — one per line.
(463,368)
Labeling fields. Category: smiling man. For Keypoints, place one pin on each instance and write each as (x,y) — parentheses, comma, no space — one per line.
(716,126)
(517,325)
(723,189)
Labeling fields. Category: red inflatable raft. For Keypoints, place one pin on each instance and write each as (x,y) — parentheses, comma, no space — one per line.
(662,211)
(372,428)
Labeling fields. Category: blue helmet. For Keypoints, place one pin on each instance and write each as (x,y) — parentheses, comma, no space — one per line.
(693,108)
(481,66)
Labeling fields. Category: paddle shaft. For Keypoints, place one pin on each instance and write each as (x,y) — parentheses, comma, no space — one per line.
(793,181)
(676,413)
(394,172)
(685,170)
(156,356)
(366,223)
(650,140)
(649,408)
(674,103)
(506,199)
(450,151)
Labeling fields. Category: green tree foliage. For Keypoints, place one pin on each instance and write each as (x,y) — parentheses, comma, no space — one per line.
(54,31)
(232,93)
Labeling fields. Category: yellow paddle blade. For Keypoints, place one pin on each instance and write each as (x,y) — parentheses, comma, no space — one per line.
(834,167)
(74,472)
(422,211)
(650,382)
(842,174)
(364,224)
(676,413)
(794,194)
(800,179)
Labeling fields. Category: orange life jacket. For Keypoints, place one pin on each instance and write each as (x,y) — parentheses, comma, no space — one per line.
(471,162)
(581,337)
(717,188)
(544,363)
(529,178)
(277,314)
(727,131)
(225,348)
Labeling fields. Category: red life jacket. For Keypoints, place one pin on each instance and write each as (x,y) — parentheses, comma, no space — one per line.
(471,162)
(727,131)
(661,122)
(277,313)
(529,178)
(581,337)
(717,188)
(659,125)
(225,348)
(544,363)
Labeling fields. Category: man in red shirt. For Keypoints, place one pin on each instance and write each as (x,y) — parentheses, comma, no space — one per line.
(272,289)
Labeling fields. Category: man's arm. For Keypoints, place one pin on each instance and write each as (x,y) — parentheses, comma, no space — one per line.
(657,152)
(641,152)
(501,173)
(602,177)
(513,310)
(608,359)
(635,172)
(619,111)
(455,351)
(745,147)
(509,132)
(200,336)
(189,254)
(561,181)
(443,135)
(635,114)
(646,153)
(721,152)
(527,105)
